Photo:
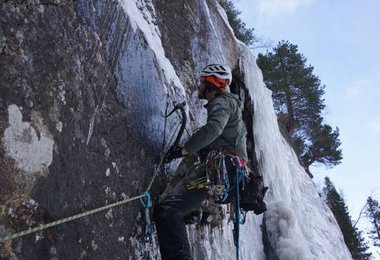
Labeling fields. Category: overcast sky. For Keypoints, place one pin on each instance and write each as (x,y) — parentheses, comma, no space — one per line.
(341,40)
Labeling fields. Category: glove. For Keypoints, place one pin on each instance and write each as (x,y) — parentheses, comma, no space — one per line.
(173,153)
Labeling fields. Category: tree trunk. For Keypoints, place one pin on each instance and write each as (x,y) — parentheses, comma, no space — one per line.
(291,122)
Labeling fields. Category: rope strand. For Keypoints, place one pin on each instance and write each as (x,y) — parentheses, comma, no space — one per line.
(64,220)
(93,211)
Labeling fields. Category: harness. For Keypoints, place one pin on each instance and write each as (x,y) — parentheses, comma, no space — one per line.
(219,186)
(218,183)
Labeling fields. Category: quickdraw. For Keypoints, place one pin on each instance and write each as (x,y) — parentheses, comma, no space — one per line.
(149,226)
(217,183)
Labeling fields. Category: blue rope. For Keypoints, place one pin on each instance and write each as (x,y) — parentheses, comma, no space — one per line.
(240,174)
(237,224)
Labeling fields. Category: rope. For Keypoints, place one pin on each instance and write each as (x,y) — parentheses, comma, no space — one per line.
(93,211)
(146,205)
(64,220)
(237,220)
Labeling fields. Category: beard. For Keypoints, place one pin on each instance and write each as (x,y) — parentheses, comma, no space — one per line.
(201,94)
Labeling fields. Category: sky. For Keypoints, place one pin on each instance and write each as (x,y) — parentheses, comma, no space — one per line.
(341,40)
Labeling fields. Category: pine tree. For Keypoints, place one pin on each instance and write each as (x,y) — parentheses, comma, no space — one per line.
(296,91)
(352,237)
(298,101)
(373,214)
(324,145)
(240,29)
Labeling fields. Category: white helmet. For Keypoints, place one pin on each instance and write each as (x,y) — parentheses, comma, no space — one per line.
(217,70)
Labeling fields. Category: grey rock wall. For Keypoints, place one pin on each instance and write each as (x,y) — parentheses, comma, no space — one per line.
(84,86)
(74,134)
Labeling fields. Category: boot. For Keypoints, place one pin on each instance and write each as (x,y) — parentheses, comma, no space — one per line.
(194,217)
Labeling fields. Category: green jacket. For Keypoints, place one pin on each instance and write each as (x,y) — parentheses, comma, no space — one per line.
(224,127)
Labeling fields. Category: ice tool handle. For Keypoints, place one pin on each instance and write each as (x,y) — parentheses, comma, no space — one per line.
(180,106)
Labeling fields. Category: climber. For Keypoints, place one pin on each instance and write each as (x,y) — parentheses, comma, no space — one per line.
(221,147)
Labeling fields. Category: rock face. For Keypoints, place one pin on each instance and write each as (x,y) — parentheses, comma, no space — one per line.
(79,128)
(84,87)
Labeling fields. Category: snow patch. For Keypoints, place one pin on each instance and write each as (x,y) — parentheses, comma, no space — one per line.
(32,153)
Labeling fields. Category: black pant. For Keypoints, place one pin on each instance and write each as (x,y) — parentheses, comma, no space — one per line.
(179,201)
(169,213)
